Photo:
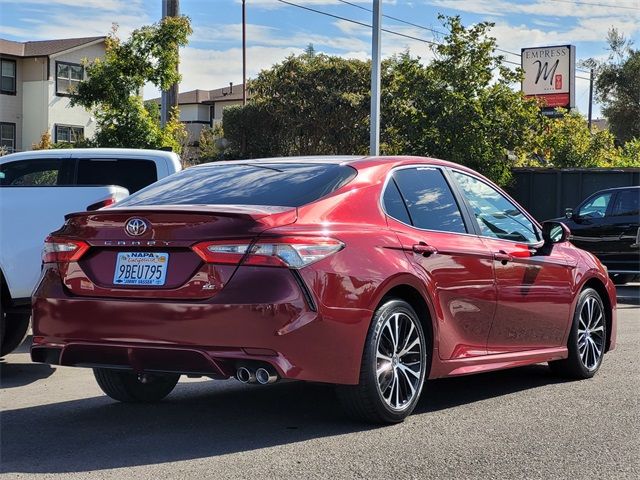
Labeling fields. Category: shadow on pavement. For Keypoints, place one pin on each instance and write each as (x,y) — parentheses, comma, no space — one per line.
(206,419)
(20,374)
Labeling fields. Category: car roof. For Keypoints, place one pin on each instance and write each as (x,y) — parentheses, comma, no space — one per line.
(312,159)
(356,161)
(88,152)
(615,189)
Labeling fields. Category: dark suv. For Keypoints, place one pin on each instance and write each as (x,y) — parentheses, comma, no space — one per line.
(607,224)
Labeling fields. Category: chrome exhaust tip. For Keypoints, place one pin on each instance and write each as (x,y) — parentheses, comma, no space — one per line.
(265,376)
(244,375)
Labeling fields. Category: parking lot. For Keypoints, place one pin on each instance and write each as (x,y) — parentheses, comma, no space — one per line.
(521,423)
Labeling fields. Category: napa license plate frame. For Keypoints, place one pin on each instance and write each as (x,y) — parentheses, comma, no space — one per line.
(147,269)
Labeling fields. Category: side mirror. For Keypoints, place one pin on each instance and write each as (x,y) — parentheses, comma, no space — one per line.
(555,232)
(568,212)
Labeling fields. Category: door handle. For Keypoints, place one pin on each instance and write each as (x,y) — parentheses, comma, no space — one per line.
(424,249)
(502,256)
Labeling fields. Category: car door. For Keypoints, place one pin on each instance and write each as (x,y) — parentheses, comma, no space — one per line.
(620,249)
(31,207)
(588,223)
(534,285)
(454,262)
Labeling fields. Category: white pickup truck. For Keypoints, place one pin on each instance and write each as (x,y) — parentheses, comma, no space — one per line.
(37,189)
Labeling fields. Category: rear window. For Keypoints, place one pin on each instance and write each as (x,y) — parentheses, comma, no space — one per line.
(131,174)
(276,184)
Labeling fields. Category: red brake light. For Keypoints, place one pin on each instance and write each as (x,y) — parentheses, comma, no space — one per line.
(58,250)
(286,252)
(101,204)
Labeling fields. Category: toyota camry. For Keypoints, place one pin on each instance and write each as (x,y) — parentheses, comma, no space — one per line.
(371,273)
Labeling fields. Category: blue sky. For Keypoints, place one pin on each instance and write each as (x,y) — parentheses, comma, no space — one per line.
(213,57)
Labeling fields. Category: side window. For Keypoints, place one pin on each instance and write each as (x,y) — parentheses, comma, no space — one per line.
(128,173)
(596,207)
(429,200)
(68,133)
(627,203)
(68,77)
(8,136)
(394,204)
(8,76)
(34,173)
(496,216)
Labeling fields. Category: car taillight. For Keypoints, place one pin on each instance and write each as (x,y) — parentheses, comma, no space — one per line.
(58,250)
(101,204)
(287,252)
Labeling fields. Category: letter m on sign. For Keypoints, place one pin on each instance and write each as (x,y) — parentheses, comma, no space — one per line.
(547,73)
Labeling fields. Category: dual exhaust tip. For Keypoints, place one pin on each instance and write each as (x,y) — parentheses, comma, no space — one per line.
(262,375)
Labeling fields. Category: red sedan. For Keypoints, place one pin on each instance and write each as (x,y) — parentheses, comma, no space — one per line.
(371,273)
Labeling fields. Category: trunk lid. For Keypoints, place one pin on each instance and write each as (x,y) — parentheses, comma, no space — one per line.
(159,238)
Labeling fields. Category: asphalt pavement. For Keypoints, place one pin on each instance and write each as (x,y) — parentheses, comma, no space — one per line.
(522,423)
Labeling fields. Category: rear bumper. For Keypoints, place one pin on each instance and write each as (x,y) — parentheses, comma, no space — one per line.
(247,322)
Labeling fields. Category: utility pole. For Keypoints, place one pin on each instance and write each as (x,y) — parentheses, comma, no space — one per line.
(244,53)
(170,8)
(374,141)
(590,97)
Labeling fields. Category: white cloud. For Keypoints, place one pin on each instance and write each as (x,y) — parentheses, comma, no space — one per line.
(272,4)
(209,69)
(270,36)
(107,5)
(549,8)
(586,30)
(60,25)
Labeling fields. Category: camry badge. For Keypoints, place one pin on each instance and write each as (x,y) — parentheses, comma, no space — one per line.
(135,227)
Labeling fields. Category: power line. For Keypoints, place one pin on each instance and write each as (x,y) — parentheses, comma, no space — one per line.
(358,23)
(626,7)
(430,29)
(411,37)
(433,30)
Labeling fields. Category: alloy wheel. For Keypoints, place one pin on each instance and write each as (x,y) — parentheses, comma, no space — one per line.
(399,361)
(591,333)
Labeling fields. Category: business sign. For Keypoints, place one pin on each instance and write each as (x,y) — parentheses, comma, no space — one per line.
(550,75)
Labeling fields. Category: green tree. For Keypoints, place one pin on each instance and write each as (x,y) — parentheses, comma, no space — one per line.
(618,87)
(308,104)
(114,85)
(567,142)
(630,154)
(460,107)
(210,144)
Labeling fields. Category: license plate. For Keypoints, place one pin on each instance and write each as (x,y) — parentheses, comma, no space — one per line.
(141,268)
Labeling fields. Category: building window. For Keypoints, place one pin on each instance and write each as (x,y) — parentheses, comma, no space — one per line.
(8,136)
(8,76)
(68,77)
(68,133)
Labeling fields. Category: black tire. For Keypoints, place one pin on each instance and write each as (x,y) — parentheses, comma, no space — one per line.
(126,386)
(365,401)
(13,330)
(574,366)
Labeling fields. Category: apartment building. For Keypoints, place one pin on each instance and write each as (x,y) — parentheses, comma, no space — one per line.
(204,108)
(36,82)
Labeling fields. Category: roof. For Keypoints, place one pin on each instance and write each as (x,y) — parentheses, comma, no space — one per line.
(225,94)
(317,159)
(615,189)
(89,152)
(43,48)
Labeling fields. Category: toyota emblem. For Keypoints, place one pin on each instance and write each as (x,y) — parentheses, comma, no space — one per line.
(135,227)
